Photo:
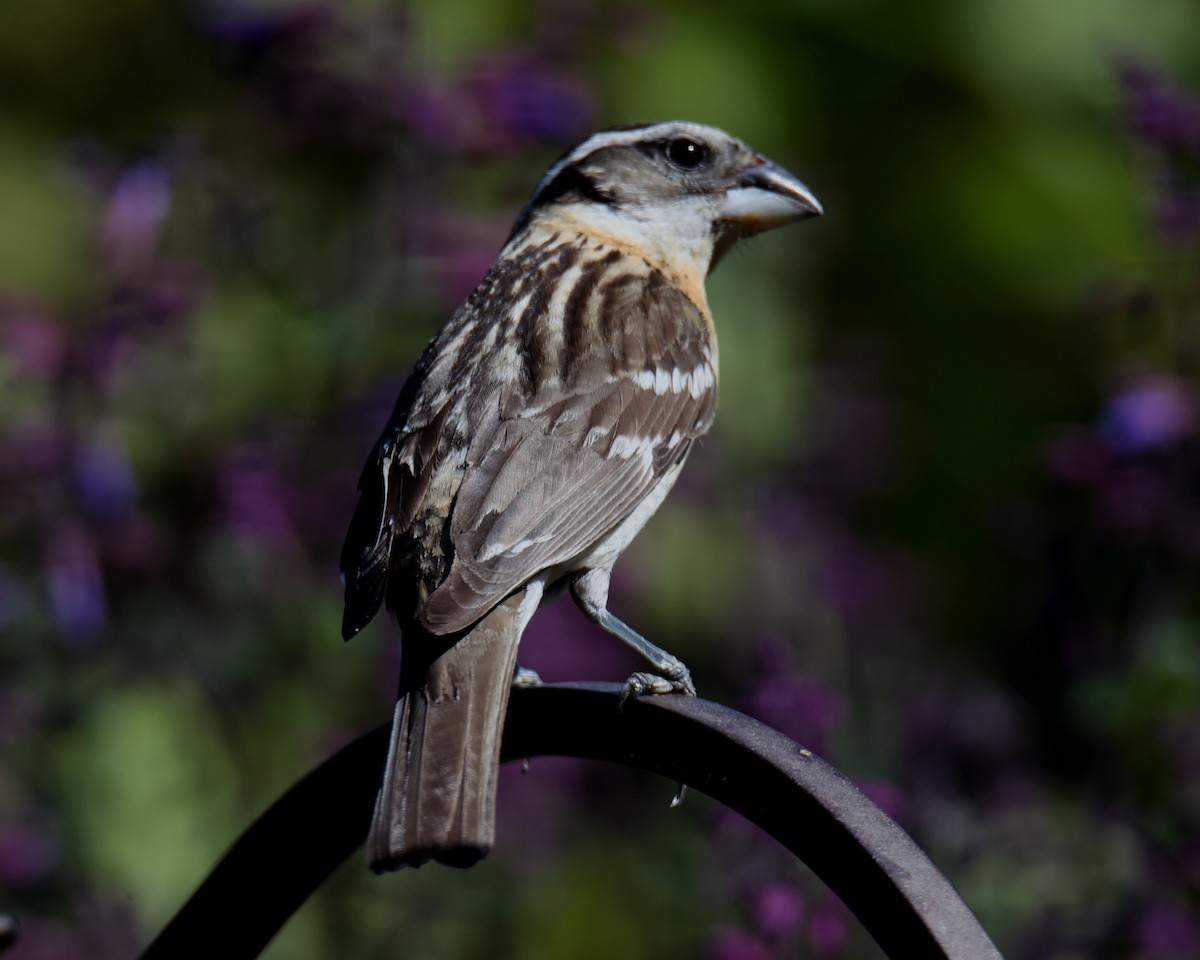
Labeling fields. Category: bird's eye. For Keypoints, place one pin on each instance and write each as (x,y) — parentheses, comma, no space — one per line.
(686,153)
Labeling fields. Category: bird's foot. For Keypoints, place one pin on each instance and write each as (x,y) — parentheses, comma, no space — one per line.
(524,677)
(675,678)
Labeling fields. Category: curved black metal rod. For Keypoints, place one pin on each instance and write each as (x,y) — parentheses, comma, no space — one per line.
(864,857)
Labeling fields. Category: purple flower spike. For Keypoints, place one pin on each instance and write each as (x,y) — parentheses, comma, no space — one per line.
(730,944)
(1152,413)
(529,103)
(76,586)
(133,219)
(252,501)
(1159,112)
(27,856)
(1177,216)
(1167,119)
(34,344)
(778,909)
(827,931)
(105,479)
(560,644)
(798,706)
(502,103)
(1167,930)
(888,797)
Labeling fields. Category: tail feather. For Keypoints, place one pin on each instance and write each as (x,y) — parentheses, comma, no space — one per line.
(438,797)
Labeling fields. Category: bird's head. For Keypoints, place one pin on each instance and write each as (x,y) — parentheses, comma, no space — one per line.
(672,190)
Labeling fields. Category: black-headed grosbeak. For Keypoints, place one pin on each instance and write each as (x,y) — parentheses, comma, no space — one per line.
(537,434)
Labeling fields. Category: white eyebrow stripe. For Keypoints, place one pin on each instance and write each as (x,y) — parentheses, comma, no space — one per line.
(624,138)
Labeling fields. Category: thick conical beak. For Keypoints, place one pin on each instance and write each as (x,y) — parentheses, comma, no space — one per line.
(767,196)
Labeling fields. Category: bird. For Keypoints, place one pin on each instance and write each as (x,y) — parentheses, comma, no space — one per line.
(538,432)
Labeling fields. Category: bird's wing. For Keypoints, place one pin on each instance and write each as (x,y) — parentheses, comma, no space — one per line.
(394,484)
(577,445)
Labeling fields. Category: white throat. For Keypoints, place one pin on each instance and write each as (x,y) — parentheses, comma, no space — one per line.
(674,237)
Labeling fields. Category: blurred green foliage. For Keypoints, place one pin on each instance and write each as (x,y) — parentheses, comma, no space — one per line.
(945,530)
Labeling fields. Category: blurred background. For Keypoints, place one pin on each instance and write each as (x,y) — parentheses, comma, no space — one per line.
(945,531)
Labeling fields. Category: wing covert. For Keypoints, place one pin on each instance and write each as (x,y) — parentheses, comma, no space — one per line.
(566,465)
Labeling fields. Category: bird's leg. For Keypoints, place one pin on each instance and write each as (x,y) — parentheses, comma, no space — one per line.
(590,591)
(530,601)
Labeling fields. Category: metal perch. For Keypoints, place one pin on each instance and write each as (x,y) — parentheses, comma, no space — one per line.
(808,806)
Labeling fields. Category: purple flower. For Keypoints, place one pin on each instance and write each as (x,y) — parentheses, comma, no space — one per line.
(1177,214)
(75,583)
(1153,412)
(133,218)
(1167,930)
(251,498)
(561,644)
(528,102)
(799,706)
(104,478)
(159,296)
(858,581)
(888,797)
(431,114)
(1167,119)
(965,738)
(731,944)
(1158,111)
(778,909)
(498,105)
(827,932)
(256,23)
(33,342)
(459,272)
(27,856)
(30,449)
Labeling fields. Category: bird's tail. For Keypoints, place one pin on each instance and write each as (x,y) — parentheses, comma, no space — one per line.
(438,797)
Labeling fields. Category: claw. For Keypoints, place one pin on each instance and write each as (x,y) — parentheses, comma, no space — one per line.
(641,683)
